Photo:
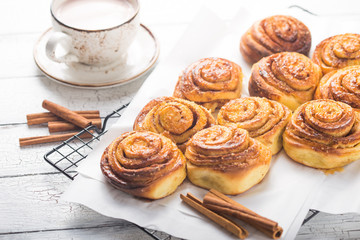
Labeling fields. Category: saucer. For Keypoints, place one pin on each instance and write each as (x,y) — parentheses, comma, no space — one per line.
(141,57)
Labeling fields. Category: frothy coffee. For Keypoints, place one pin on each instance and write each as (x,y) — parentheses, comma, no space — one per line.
(94,14)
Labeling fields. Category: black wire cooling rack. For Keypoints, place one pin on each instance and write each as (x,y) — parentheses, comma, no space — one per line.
(66,156)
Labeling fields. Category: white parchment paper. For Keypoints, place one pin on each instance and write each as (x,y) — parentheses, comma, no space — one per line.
(288,190)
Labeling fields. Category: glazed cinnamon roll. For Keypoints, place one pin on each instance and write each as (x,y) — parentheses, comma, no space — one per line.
(323,134)
(338,52)
(175,118)
(273,35)
(341,85)
(264,119)
(226,159)
(289,78)
(144,164)
(210,82)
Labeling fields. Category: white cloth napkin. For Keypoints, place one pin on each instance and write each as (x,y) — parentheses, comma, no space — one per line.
(286,193)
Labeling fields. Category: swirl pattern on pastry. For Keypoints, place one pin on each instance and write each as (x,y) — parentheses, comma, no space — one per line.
(289,78)
(338,52)
(175,118)
(226,159)
(144,164)
(264,119)
(323,134)
(273,35)
(210,82)
(341,85)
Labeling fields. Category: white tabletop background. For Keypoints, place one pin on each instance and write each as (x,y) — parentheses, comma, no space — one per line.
(29,187)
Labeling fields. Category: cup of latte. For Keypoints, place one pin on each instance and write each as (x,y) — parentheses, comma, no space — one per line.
(92,32)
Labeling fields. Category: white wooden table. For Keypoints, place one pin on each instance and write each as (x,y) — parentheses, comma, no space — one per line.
(29,187)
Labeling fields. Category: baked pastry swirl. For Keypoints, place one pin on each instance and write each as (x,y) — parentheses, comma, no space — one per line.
(338,52)
(144,164)
(289,78)
(341,85)
(273,35)
(210,82)
(175,118)
(264,119)
(323,134)
(226,159)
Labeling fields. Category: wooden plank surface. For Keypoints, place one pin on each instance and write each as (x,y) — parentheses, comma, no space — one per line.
(30,206)
(33,90)
(120,231)
(33,202)
(331,226)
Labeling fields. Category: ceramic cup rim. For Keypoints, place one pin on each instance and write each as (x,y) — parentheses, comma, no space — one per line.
(131,18)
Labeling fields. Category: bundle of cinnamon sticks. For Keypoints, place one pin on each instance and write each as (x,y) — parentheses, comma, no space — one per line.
(221,209)
(60,119)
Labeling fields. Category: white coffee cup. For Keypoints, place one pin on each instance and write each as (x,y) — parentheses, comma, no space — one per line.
(92,32)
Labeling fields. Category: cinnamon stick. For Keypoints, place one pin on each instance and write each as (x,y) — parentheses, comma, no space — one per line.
(49,114)
(62,126)
(222,204)
(45,117)
(66,114)
(226,223)
(50,138)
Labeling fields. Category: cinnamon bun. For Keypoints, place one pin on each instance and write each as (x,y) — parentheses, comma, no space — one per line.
(176,118)
(273,35)
(210,82)
(144,164)
(323,134)
(341,85)
(226,159)
(289,78)
(338,52)
(264,119)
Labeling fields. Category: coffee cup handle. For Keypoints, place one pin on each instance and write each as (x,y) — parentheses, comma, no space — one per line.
(63,40)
